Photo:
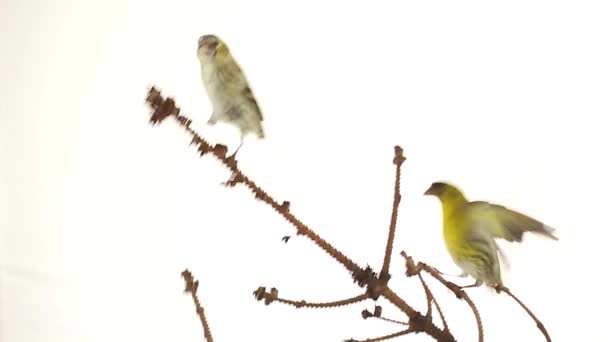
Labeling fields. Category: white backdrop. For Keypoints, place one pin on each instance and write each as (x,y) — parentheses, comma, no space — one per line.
(101,212)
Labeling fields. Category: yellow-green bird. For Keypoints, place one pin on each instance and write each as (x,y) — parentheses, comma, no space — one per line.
(228,88)
(470,230)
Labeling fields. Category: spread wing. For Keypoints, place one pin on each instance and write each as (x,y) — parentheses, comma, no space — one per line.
(512,224)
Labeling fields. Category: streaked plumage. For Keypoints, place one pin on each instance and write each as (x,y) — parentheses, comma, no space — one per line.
(470,230)
(228,89)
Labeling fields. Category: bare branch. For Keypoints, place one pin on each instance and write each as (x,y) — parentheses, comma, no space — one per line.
(164,108)
(273,295)
(378,314)
(192,287)
(376,284)
(430,298)
(384,338)
(398,161)
(413,268)
(539,324)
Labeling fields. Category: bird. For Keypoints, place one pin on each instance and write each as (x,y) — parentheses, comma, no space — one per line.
(470,230)
(228,89)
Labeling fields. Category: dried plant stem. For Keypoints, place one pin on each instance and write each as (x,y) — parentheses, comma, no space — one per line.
(430,298)
(164,108)
(386,337)
(303,303)
(192,287)
(391,320)
(273,296)
(398,161)
(539,324)
(376,284)
(413,268)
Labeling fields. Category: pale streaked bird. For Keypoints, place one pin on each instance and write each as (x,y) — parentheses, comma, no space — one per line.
(228,89)
(471,228)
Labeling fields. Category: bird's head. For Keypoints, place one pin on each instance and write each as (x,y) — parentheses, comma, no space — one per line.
(444,191)
(209,46)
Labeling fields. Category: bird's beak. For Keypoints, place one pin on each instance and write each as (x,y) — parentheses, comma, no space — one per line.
(430,191)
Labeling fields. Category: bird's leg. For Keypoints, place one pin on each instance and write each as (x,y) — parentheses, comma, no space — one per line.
(477,284)
(232,157)
(238,148)
(462,275)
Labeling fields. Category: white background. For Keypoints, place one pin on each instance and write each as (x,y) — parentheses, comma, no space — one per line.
(101,212)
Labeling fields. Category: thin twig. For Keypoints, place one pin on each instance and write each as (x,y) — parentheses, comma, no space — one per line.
(385,337)
(333,304)
(192,287)
(539,324)
(390,320)
(431,298)
(413,268)
(378,314)
(398,161)
(273,295)
(418,322)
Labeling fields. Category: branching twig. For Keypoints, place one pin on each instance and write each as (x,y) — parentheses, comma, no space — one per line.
(192,287)
(163,108)
(376,284)
(430,298)
(539,324)
(413,268)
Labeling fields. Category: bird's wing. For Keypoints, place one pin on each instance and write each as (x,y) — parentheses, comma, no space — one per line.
(512,224)
(235,71)
(479,237)
(248,94)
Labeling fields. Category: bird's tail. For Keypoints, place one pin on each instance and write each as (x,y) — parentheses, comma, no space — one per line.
(260,131)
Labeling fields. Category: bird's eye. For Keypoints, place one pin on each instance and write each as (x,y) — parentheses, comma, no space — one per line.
(212,44)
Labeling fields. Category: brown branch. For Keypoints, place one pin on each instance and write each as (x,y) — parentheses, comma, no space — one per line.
(273,295)
(385,337)
(378,314)
(539,324)
(390,320)
(398,161)
(413,268)
(418,322)
(430,298)
(164,108)
(375,286)
(192,287)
